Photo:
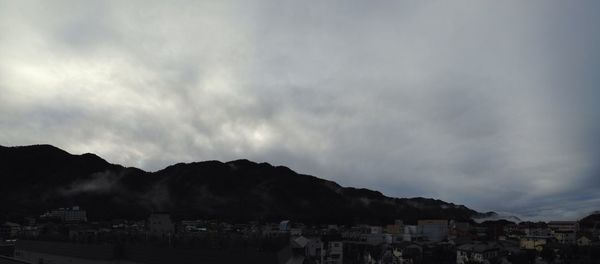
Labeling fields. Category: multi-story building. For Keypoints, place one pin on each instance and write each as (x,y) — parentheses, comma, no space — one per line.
(563,226)
(335,252)
(75,214)
(433,230)
(69,215)
(476,253)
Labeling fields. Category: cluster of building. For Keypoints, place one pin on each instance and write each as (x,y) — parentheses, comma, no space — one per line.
(66,236)
(68,215)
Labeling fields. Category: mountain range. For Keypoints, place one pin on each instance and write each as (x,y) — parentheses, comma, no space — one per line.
(41,177)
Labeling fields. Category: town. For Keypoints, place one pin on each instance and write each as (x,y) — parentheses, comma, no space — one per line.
(66,235)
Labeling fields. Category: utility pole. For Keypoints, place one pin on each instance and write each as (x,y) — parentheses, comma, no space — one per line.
(322,252)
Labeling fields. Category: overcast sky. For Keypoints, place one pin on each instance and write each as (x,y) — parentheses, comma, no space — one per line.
(490,104)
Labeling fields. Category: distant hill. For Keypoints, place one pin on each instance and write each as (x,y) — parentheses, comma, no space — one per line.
(591,221)
(40,177)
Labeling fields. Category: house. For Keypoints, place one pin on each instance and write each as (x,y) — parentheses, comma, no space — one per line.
(565,237)
(285,226)
(160,224)
(9,230)
(477,253)
(29,232)
(411,233)
(192,226)
(396,228)
(296,252)
(375,230)
(375,238)
(411,253)
(296,231)
(333,228)
(584,240)
(509,247)
(433,230)
(363,252)
(314,248)
(82,233)
(270,229)
(514,231)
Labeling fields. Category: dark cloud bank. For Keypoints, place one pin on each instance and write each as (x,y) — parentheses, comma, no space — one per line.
(488,104)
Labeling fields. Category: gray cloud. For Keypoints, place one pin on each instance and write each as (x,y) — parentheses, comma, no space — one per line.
(102,182)
(488,104)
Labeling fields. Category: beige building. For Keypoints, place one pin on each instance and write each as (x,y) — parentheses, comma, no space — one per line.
(396,228)
(534,242)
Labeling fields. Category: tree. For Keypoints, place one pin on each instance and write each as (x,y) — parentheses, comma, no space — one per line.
(548,254)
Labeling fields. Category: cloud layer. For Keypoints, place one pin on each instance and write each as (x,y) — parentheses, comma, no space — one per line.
(487,104)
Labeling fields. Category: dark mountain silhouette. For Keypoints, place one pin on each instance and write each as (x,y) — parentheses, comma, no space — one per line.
(592,221)
(40,177)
